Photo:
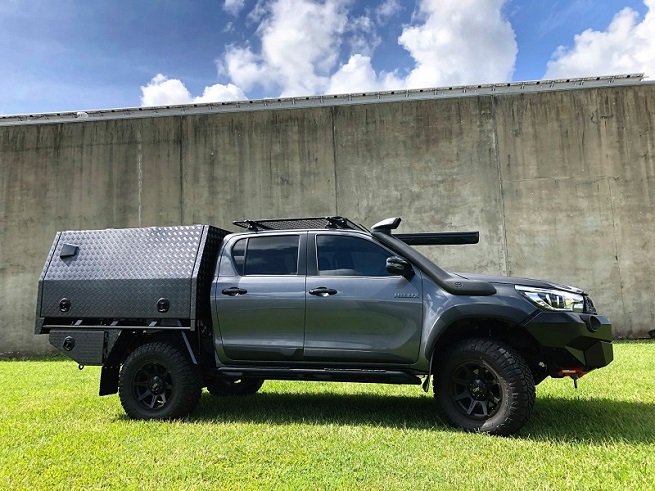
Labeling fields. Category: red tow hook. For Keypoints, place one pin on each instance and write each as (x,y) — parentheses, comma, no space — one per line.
(574,373)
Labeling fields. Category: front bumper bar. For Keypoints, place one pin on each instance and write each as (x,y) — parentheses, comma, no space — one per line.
(573,339)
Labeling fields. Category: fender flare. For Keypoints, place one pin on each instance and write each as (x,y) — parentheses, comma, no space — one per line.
(505,314)
(111,367)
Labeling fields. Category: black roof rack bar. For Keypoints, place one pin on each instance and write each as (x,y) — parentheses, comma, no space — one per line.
(252,225)
(337,222)
(298,223)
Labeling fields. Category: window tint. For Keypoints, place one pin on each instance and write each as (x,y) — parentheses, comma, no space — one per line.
(350,256)
(267,255)
(239,255)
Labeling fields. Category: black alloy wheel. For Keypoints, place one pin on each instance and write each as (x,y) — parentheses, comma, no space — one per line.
(152,385)
(475,390)
(159,381)
(483,385)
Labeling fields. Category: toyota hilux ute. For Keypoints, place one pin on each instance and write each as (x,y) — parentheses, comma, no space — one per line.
(168,311)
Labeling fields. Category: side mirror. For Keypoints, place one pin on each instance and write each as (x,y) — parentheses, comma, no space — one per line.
(399,266)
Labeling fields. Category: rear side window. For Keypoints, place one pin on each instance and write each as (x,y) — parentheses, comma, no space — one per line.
(350,256)
(266,255)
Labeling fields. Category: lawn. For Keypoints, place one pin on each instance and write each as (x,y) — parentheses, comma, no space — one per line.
(56,433)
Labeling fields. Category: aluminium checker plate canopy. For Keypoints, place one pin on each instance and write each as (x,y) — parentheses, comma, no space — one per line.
(146,273)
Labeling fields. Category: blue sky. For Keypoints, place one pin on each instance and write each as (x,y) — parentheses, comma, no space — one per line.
(66,55)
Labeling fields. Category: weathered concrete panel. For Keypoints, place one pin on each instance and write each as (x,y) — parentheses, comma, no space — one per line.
(159,170)
(577,178)
(633,206)
(431,162)
(564,240)
(258,165)
(56,177)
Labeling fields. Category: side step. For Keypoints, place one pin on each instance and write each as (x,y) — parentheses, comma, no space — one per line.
(324,375)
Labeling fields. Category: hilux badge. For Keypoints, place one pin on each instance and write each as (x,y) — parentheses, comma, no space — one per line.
(405,295)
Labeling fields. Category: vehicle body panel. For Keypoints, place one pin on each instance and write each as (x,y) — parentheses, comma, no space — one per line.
(375,320)
(443,309)
(265,321)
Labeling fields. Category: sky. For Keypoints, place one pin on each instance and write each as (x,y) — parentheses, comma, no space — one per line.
(71,55)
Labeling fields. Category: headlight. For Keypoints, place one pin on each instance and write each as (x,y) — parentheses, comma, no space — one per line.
(552,299)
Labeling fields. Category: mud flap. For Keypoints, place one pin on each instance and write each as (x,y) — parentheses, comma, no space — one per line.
(426,382)
(109,380)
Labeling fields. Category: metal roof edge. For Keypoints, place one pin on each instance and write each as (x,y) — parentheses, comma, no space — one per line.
(326,100)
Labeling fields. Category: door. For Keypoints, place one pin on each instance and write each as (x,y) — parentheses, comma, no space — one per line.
(261,302)
(356,310)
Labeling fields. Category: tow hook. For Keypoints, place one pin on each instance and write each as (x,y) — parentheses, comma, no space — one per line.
(574,373)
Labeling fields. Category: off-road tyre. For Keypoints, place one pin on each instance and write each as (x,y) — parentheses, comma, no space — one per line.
(224,386)
(483,385)
(159,381)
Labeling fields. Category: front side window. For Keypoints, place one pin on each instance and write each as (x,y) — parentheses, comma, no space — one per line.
(266,255)
(340,255)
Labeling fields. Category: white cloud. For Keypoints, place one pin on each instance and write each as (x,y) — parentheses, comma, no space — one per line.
(627,46)
(233,6)
(364,37)
(300,42)
(452,42)
(164,91)
(460,42)
(386,10)
(221,93)
(356,75)
(245,68)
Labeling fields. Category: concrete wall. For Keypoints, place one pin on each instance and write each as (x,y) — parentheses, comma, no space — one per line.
(560,184)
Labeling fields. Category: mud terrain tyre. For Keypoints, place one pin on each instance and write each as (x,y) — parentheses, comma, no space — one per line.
(223,386)
(159,381)
(484,385)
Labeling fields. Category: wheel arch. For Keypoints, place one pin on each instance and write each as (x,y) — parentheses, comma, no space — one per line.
(158,380)
(129,340)
(503,325)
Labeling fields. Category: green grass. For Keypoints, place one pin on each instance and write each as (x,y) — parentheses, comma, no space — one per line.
(56,433)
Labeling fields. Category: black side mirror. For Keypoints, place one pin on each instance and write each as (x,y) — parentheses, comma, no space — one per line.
(399,266)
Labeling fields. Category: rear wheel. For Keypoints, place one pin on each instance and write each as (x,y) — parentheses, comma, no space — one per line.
(159,381)
(484,385)
(227,386)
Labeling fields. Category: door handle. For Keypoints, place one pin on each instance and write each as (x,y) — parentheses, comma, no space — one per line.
(322,291)
(234,291)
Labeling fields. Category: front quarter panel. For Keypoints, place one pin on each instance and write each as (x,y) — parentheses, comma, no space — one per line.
(442,309)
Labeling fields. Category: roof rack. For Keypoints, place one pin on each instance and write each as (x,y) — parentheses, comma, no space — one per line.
(298,223)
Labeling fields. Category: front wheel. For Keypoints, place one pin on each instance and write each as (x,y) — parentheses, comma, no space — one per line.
(159,381)
(484,385)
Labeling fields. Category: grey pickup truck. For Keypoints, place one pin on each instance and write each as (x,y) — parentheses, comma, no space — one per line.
(168,311)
